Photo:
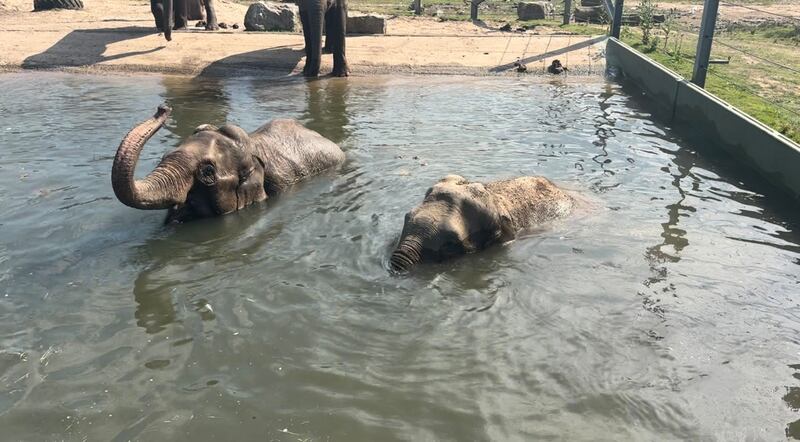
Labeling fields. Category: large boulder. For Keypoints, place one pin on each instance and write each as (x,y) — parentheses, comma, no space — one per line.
(270,16)
(534,10)
(591,14)
(360,23)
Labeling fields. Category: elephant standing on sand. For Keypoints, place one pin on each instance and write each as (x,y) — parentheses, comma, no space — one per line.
(332,15)
(458,217)
(219,170)
(179,12)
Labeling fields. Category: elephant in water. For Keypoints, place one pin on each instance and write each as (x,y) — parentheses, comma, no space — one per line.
(179,12)
(458,217)
(333,15)
(220,170)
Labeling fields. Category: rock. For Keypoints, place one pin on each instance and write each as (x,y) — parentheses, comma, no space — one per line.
(235,26)
(591,14)
(506,27)
(223,26)
(591,2)
(360,23)
(534,10)
(270,16)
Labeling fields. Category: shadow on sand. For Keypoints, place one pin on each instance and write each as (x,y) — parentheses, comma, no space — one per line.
(93,44)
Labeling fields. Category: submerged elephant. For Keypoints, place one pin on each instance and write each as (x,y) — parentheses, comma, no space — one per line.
(458,217)
(220,170)
(179,12)
(332,14)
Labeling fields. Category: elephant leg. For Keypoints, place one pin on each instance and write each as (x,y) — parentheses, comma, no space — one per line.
(181,11)
(157,8)
(316,12)
(337,28)
(306,37)
(211,16)
(327,48)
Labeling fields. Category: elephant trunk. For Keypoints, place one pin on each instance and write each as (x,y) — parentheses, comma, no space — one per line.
(407,254)
(165,186)
(168,20)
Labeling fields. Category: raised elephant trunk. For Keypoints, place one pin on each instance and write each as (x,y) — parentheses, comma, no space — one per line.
(165,186)
(407,254)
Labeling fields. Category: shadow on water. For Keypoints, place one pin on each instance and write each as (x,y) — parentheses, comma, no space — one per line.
(175,250)
(269,62)
(93,44)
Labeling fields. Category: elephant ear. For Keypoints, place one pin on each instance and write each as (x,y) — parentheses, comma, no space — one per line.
(234,132)
(204,127)
(486,218)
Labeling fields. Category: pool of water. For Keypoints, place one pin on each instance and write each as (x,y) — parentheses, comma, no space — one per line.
(668,311)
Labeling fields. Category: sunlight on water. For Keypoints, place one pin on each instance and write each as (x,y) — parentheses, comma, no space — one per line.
(667,311)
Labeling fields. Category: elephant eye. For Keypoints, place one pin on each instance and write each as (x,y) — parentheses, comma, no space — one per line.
(207,174)
(245,174)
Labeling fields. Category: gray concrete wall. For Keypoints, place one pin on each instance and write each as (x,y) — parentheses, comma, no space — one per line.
(691,108)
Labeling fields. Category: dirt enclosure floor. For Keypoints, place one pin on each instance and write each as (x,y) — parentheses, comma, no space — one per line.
(120,36)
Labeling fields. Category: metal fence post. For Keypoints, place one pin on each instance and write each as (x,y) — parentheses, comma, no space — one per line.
(704,41)
(473,9)
(567,11)
(616,24)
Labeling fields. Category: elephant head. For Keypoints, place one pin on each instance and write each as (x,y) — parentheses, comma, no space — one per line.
(213,172)
(456,217)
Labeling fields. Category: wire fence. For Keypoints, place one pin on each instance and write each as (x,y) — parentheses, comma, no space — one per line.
(492,10)
(762,11)
(755,65)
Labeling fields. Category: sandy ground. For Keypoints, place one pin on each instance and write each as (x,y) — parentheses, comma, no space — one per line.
(119,35)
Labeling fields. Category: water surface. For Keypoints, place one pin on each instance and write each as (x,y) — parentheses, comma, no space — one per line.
(668,312)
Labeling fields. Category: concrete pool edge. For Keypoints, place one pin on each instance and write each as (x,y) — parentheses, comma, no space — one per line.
(691,108)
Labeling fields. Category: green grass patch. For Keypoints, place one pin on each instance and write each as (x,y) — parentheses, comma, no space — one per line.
(766,92)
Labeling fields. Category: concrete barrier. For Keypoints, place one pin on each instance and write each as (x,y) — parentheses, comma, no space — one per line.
(697,112)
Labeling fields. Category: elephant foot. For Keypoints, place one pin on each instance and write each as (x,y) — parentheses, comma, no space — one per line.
(340,73)
(179,28)
(212,26)
(327,50)
(310,74)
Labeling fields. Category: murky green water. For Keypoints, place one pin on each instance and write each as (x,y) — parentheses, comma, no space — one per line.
(671,312)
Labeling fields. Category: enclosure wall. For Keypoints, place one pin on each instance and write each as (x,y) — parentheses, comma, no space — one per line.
(698,113)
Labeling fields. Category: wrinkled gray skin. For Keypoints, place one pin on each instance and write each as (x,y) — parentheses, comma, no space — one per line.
(332,14)
(179,12)
(219,170)
(458,217)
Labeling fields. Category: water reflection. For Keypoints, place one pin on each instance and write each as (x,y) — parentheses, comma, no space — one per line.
(327,108)
(169,258)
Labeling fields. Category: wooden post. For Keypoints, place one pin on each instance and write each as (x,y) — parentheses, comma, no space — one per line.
(707,25)
(567,11)
(417,7)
